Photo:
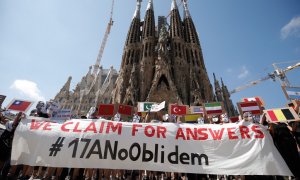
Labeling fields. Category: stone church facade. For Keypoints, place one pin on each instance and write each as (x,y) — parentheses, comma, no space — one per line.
(164,64)
(94,88)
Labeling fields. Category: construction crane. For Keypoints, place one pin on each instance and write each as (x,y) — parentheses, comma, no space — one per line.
(278,73)
(104,40)
(100,53)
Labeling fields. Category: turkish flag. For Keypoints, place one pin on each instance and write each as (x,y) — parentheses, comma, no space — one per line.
(106,110)
(125,109)
(19,105)
(178,109)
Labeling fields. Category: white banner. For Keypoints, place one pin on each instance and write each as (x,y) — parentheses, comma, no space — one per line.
(236,149)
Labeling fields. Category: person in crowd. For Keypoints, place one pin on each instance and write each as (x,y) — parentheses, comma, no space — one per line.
(215,119)
(286,144)
(154,117)
(6,145)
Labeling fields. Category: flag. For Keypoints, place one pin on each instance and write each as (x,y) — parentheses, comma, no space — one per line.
(2,98)
(144,106)
(256,99)
(295,104)
(106,110)
(196,110)
(281,115)
(290,104)
(250,106)
(125,109)
(214,108)
(292,92)
(19,105)
(158,107)
(178,109)
(192,118)
(234,119)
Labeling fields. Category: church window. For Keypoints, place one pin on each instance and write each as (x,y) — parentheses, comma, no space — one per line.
(175,44)
(146,50)
(179,46)
(187,56)
(127,58)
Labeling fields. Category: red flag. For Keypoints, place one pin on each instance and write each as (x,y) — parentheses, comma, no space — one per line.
(106,110)
(178,109)
(125,109)
(19,105)
(256,99)
(251,106)
(234,119)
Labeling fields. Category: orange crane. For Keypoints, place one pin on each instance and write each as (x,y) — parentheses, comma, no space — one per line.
(277,74)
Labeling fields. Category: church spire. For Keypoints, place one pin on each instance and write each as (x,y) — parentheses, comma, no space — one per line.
(137,12)
(150,5)
(149,21)
(174,5)
(175,22)
(229,107)
(133,35)
(64,91)
(215,79)
(186,10)
(218,90)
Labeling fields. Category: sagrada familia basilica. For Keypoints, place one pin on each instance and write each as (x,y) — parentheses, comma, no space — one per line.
(161,62)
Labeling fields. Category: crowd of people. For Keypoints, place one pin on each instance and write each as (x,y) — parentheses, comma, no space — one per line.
(286,137)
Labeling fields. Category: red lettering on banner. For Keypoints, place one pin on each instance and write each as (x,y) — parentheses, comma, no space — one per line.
(36,124)
(76,127)
(216,134)
(117,127)
(161,131)
(258,133)
(180,134)
(101,127)
(151,133)
(63,127)
(202,135)
(134,128)
(190,133)
(231,133)
(91,127)
(244,130)
(47,126)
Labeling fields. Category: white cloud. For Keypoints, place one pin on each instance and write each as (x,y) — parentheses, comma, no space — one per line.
(229,70)
(291,29)
(28,88)
(244,72)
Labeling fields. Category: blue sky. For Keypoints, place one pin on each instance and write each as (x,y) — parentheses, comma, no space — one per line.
(44,42)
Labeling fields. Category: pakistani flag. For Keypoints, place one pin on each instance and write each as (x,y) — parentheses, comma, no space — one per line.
(144,106)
